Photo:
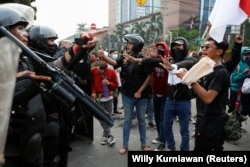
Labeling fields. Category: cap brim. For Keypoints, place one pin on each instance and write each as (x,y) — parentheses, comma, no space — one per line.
(180,42)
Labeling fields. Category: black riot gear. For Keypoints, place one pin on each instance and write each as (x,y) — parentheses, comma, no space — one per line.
(38,39)
(137,40)
(10,17)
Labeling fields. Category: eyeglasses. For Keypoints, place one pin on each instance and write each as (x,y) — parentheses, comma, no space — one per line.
(207,47)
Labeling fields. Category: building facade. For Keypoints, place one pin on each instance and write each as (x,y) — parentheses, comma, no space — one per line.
(174,12)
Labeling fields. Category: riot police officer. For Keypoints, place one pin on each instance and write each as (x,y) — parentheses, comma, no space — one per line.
(42,41)
(24,140)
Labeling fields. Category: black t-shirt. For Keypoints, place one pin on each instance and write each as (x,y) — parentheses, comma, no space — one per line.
(211,117)
(133,76)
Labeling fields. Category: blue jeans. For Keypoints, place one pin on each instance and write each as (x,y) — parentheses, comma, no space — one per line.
(129,104)
(159,105)
(182,110)
(150,110)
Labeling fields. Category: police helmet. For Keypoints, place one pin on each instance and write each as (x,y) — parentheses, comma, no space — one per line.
(38,39)
(11,17)
(137,40)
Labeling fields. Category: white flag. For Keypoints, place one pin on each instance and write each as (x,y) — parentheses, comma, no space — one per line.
(227,12)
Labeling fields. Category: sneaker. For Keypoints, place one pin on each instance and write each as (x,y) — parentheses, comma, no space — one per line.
(156,141)
(193,121)
(151,124)
(111,140)
(104,140)
(161,147)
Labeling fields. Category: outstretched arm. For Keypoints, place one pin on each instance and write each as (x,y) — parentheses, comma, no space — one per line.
(235,54)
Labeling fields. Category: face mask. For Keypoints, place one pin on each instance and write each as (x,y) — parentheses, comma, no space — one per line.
(115,56)
(247,59)
(160,52)
(177,54)
(52,49)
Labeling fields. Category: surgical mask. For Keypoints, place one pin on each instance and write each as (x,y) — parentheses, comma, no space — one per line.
(115,56)
(160,52)
(177,54)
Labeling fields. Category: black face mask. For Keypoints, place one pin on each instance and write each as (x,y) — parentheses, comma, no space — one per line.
(177,54)
(160,52)
(51,49)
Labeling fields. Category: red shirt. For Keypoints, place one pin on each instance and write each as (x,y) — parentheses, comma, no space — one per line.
(160,81)
(97,78)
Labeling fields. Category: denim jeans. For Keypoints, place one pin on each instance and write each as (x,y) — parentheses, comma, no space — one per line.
(129,104)
(182,110)
(150,110)
(159,105)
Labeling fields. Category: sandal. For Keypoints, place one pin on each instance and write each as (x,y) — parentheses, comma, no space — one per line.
(123,150)
(145,148)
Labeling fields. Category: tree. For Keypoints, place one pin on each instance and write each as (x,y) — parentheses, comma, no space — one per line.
(190,35)
(246,32)
(155,29)
(139,28)
(150,30)
(120,31)
(81,26)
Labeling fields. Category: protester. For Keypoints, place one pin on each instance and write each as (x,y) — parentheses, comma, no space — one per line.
(212,93)
(135,86)
(245,88)
(104,85)
(236,79)
(114,55)
(159,90)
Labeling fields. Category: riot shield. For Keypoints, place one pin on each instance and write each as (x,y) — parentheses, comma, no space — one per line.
(9,55)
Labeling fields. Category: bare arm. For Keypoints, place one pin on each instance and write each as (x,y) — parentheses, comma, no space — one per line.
(90,44)
(109,60)
(145,84)
(207,96)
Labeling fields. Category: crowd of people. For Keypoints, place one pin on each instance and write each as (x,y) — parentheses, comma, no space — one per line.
(151,82)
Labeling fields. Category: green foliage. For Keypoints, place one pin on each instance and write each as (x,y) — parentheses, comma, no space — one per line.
(81,26)
(150,31)
(190,35)
(246,31)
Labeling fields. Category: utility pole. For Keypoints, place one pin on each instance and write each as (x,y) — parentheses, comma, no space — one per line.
(165,24)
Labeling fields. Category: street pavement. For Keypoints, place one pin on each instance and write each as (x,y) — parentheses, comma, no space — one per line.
(93,154)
